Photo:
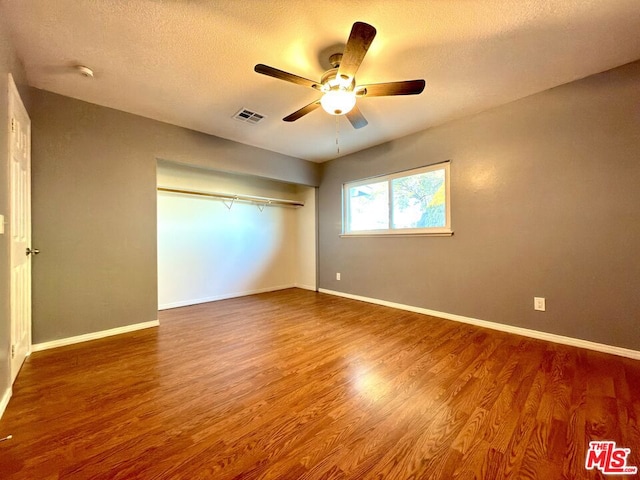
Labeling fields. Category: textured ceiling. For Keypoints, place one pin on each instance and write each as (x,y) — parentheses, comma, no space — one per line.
(190,62)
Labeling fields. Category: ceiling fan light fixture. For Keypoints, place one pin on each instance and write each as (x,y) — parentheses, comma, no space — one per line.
(338,101)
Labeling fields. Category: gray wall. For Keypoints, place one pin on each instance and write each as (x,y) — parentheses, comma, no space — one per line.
(8,64)
(545,202)
(94,209)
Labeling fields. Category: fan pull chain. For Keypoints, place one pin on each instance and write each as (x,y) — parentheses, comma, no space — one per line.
(337,135)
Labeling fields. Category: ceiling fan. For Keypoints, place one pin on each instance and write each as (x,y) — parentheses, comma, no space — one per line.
(338,84)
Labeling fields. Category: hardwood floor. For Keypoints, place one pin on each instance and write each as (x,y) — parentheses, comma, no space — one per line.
(295,384)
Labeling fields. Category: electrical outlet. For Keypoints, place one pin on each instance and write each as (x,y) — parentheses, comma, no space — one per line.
(1,224)
(539,304)
(337,276)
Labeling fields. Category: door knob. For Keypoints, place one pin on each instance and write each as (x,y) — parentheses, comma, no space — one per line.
(35,251)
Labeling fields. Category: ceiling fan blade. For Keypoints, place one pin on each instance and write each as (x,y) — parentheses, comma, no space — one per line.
(362,34)
(407,87)
(287,77)
(356,118)
(302,112)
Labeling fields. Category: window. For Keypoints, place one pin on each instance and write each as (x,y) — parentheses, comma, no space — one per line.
(414,202)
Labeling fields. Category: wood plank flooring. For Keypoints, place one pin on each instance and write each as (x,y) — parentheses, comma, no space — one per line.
(301,385)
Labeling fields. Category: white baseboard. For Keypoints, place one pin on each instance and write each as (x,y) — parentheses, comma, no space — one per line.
(93,336)
(550,337)
(306,287)
(5,400)
(215,298)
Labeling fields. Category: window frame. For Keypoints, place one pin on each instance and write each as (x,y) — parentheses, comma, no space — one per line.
(390,231)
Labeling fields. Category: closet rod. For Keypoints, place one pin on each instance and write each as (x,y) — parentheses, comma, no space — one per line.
(232,196)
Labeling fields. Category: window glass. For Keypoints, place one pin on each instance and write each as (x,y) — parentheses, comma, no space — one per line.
(369,207)
(419,200)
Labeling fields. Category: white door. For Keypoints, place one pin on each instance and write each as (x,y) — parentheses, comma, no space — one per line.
(19,228)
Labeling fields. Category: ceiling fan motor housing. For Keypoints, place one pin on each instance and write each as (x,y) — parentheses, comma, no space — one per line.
(330,81)
(335,60)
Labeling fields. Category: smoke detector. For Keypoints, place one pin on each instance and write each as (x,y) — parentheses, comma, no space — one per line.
(84,71)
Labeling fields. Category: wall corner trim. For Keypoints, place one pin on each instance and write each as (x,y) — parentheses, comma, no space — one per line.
(93,336)
(5,400)
(549,337)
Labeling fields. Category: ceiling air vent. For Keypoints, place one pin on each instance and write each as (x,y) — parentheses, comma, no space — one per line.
(248,116)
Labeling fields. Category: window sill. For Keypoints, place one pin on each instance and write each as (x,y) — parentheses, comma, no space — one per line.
(388,234)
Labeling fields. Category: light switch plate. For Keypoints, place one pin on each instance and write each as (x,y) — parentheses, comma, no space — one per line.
(1,224)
